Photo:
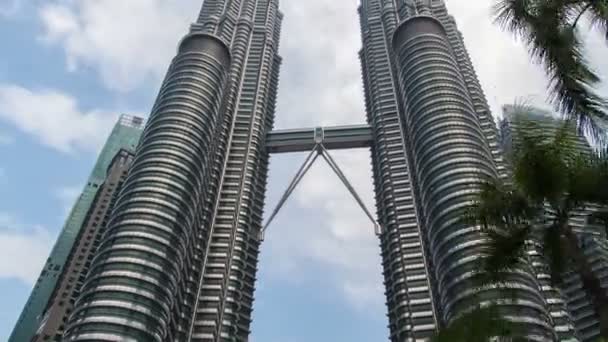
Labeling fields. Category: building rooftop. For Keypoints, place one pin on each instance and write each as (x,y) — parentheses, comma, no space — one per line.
(131,121)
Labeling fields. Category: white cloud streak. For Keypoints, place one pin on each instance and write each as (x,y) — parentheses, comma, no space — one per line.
(127,42)
(9,7)
(54,118)
(6,139)
(67,195)
(346,240)
(337,238)
(23,249)
(321,78)
(321,85)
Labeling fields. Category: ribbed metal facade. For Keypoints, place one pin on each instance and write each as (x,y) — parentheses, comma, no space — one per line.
(448,154)
(77,266)
(142,281)
(580,306)
(225,296)
(450,157)
(409,291)
(180,258)
(435,139)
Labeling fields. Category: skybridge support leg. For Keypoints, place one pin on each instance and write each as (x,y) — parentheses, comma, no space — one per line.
(312,157)
(319,149)
(334,166)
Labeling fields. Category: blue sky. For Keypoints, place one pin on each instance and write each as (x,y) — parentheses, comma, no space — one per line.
(70,67)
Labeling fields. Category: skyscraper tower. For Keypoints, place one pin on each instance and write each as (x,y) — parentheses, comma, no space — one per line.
(435,142)
(124,136)
(78,263)
(179,258)
(180,255)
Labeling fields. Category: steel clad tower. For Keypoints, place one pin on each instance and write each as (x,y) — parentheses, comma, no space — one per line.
(434,140)
(179,258)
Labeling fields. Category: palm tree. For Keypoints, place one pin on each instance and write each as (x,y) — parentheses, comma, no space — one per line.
(549,28)
(482,324)
(600,217)
(552,183)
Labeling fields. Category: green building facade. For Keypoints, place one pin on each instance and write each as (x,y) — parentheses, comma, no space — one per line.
(125,135)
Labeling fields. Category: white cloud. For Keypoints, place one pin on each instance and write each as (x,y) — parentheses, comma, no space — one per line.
(501,61)
(321,85)
(67,195)
(6,139)
(54,118)
(338,238)
(29,244)
(9,7)
(321,78)
(320,61)
(127,42)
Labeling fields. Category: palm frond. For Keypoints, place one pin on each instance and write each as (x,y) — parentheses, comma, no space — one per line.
(564,139)
(514,15)
(504,215)
(553,251)
(571,78)
(598,12)
(587,181)
(505,251)
(499,205)
(544,26)
(540,170)
(599,217)
(480,325)
(599,163)
(580,7)
(582,182)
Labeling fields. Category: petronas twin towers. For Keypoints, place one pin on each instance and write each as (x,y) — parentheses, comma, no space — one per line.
(179,258)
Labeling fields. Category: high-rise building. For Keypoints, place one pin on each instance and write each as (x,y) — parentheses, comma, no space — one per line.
(435,141)
(179,258)
(580,306)
(570,305)
(77,266)
(543,123)
(45,297)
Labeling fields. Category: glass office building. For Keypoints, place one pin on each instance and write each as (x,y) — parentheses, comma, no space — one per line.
(124,136)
